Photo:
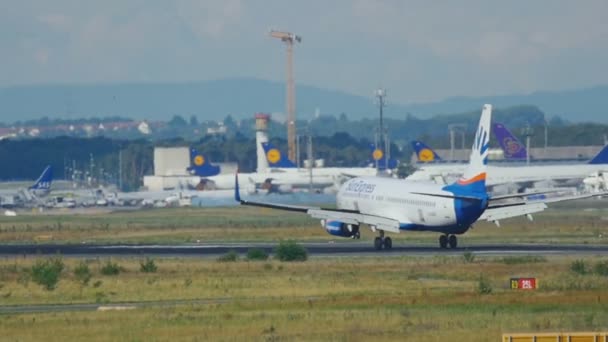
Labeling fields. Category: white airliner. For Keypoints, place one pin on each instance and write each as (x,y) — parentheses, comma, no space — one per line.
(392,205)
(41,187)
(283,181)
(524,175)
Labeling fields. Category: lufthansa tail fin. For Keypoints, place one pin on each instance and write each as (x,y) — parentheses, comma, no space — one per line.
(201,166)
(601,157)
(379,157)
(44,181)
(511,146)
(473,181)
(275,157)
(424,153)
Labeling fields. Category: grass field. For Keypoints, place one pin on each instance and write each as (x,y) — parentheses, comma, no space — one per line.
(586,222)
(457,298)
(370,298)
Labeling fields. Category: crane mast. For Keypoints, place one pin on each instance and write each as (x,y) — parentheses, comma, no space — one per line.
(290,99)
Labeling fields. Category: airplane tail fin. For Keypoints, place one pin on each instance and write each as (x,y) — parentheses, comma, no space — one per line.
(511,146)
(44,181)
(275,157)
(424,153)
(379,157)
(601,157)
(201,166)
(474,178)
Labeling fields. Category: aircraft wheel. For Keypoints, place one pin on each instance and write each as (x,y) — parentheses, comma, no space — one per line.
(357,235)
(378,243)
(443,241)
(453,241)
(388,243)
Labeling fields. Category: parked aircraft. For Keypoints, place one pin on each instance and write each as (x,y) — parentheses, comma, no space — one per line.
(41,187)
(283,179)
(525,176)
(280,163)
(392,205)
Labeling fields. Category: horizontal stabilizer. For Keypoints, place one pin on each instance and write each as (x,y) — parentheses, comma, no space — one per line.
(454,196)
(522,195)
(495,214)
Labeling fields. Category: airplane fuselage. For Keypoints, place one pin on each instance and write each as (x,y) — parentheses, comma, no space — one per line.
(513,174)
(416,205)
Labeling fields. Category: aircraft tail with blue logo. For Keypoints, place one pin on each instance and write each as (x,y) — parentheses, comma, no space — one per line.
(43,183)
(601,157)
(424,153)
(275,158)
(511,146)
(201,166)
(473,181)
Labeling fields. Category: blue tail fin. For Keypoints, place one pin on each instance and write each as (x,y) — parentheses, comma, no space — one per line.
(512,148)
(473,181)
(379,157)
(424,153)
(275,157)
(601,157)
(201,166)
(44,181)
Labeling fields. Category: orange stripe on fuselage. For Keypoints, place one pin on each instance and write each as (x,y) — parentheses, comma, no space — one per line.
(479,177)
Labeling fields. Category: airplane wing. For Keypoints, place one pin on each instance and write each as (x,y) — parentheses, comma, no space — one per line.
(343,215)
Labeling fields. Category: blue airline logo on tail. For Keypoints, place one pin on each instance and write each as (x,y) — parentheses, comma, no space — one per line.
(44,181)
(275,157)
(424,153)
(200,166)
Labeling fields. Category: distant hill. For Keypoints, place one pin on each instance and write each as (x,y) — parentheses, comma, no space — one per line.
(209,100)
(213,100)
(589,104)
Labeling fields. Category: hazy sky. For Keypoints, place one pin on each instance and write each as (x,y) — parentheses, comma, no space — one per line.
(418,50)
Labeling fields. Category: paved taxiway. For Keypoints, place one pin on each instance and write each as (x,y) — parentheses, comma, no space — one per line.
(314,249)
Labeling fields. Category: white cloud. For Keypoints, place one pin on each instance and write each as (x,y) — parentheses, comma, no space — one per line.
(422,50)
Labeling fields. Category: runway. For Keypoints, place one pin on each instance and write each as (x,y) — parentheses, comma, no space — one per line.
(314,249)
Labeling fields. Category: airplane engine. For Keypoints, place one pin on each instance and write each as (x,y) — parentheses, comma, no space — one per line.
(342,229)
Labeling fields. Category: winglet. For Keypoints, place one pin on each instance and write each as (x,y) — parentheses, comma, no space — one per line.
(237,193)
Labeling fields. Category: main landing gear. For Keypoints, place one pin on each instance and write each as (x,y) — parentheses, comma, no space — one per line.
(383,242)
(448,240)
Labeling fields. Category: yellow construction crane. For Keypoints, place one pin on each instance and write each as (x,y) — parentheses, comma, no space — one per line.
(289,39)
